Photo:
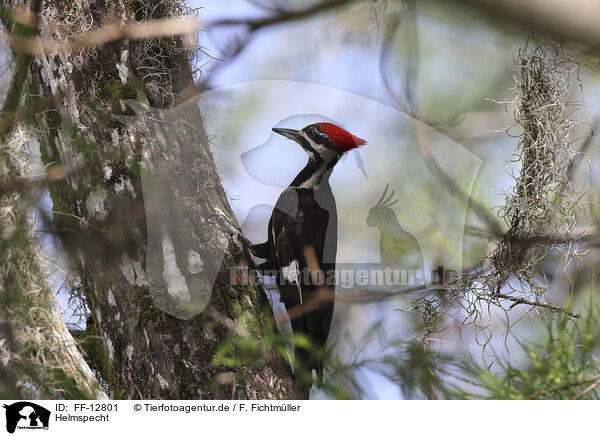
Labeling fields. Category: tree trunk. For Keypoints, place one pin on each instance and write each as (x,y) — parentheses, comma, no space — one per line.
(39,356)
(143,217)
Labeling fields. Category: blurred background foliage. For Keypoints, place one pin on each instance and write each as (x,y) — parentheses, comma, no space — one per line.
(453,67)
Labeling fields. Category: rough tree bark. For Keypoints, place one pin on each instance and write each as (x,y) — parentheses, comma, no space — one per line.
(101,214)
(38,354)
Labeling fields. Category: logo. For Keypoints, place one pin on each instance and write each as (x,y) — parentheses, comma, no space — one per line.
(26,415)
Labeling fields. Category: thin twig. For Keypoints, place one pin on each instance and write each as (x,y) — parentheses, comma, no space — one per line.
(573,20)
(543,393)
(282,17)
(252,25)
(554,307)
(231,325)
(586,390)
(167,27)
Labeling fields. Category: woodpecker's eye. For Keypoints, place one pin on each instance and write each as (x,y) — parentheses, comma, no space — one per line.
(311,131)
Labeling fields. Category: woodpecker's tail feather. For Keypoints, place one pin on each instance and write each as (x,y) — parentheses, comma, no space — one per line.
(305,362)
(303,370)
(303,379)
(319,371)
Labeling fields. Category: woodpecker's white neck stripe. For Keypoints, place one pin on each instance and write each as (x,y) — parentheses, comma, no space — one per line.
(326,153)
(315,179)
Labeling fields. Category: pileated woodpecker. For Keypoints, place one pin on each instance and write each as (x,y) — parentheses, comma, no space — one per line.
(302,243)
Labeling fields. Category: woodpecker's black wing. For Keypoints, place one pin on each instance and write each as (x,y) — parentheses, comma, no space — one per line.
(284,213)
(298,221)
(303,217)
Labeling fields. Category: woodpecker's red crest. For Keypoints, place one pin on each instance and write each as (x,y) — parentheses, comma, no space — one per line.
(340,138)
(325,140)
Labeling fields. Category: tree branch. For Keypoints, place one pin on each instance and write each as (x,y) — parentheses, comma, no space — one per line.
(111,32)
(253,25)
(554,307)
(282,16)
(587,390)
(574,20)
(543,393)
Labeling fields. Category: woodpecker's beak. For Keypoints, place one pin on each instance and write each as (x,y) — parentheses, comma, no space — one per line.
(288,133)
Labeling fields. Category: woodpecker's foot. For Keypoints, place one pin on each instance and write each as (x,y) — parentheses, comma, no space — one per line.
(239,240)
